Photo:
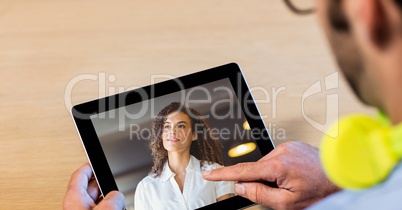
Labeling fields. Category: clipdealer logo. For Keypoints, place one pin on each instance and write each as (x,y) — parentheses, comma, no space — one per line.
(331,83)
(271,97)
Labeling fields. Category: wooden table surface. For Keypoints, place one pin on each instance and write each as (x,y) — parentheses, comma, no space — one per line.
(45,44)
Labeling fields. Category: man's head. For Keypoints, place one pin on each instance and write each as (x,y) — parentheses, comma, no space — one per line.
(366,38)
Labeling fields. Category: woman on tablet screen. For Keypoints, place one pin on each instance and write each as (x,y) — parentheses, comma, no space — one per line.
(175,180)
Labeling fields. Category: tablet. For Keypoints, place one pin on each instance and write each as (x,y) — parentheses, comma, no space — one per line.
(137,141)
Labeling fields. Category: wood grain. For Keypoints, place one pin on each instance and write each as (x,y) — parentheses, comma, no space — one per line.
(44,44)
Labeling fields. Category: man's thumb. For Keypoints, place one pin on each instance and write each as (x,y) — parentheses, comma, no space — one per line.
(113,200)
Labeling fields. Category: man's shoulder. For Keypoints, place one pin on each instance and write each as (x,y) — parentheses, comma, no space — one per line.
(386,195)
(373,199)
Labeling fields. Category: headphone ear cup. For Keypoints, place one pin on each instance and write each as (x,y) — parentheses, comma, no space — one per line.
(360,156)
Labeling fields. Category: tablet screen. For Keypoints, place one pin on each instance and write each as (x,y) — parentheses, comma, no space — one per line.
(126,143)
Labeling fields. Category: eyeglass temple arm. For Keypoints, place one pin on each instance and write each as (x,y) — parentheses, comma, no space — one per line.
(296,10)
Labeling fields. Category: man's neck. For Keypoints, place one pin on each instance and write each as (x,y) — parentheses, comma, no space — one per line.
(395,113)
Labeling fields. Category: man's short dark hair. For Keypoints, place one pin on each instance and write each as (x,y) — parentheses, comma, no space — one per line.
(399,3)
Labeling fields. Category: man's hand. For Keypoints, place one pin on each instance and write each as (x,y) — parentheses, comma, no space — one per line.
(293,166)
(83,192)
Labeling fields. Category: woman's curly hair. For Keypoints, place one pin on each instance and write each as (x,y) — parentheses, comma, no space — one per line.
(209,147)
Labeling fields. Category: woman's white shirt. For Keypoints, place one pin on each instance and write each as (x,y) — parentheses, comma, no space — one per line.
(163,192)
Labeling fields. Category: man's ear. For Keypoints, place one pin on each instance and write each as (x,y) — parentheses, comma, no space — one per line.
(371,22)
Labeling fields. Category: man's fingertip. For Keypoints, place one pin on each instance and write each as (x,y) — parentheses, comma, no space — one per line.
(240,189)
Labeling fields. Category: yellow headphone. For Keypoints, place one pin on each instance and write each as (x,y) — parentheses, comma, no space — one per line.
(364,153)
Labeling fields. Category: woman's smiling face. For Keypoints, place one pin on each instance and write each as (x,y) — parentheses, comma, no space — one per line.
(177,134)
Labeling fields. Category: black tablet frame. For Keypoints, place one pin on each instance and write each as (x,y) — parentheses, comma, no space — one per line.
(81,114)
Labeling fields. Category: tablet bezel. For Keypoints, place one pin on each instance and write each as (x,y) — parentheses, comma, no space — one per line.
(81,114)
